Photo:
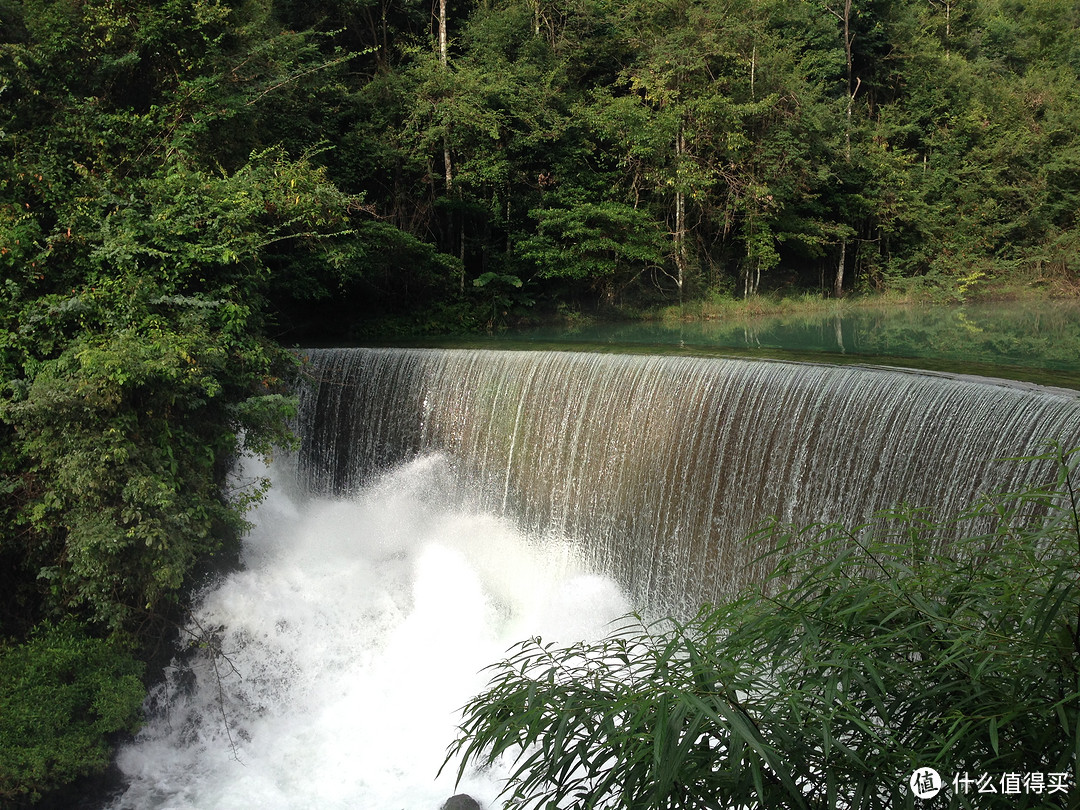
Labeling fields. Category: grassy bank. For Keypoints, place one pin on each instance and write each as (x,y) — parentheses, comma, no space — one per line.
(725,307)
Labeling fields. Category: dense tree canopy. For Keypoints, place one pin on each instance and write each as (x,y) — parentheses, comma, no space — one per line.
(634,152)
(142,216)
(186,185)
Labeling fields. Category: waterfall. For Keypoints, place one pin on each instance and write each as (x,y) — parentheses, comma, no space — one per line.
(660,466)
(447,504)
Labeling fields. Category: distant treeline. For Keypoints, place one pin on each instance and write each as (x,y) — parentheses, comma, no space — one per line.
(618,147)
(566,153)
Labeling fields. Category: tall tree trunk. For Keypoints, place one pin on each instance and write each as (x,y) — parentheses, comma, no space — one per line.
(443,56)
(948,6)
(753,72)
(680,216)
(838,287)
(442,33)
(853,85)
(849,40)
(446,163)
(748,268)
(448,170)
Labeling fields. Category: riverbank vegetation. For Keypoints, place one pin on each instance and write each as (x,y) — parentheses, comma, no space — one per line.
(186,186)
(868,656)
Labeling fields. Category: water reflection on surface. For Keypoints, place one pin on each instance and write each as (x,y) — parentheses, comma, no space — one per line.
(1031,341)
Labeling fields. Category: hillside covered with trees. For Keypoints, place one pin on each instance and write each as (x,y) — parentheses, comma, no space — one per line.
(188,186)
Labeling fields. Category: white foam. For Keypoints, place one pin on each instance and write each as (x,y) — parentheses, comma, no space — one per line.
(356,629)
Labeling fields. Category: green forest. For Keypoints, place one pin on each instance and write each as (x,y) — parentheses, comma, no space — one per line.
(190,187)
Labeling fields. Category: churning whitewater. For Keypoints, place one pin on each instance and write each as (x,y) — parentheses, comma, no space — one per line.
(348,641)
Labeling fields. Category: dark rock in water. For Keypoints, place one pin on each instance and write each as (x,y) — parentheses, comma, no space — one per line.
(461,801)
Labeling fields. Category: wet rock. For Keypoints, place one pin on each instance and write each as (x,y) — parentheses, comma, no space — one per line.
(461,801)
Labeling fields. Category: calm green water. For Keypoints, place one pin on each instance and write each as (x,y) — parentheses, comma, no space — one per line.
(1034,342)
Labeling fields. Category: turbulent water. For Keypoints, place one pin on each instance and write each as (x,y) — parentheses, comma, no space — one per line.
(351,637)
(448,504)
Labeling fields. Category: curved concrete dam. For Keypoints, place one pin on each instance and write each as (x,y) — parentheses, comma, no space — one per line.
(659,467)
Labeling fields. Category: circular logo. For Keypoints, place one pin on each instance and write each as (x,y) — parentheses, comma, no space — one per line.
(925,783)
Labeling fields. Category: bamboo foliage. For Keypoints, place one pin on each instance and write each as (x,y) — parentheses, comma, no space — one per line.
(861,659)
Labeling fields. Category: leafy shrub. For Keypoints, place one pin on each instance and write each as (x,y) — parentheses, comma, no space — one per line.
(61,694)
(865,656)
